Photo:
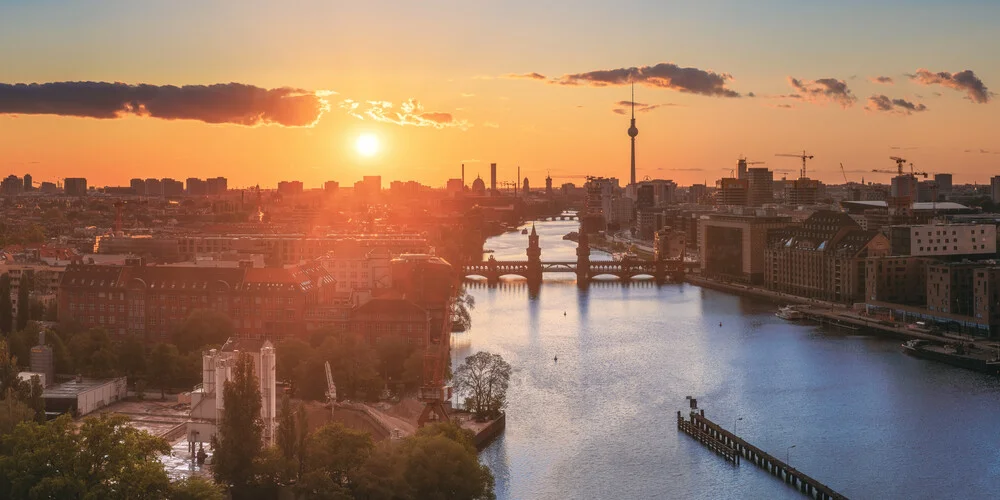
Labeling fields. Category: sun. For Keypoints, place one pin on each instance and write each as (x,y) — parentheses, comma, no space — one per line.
(366,145)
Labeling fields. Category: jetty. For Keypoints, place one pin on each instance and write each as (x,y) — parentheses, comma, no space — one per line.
(732,448)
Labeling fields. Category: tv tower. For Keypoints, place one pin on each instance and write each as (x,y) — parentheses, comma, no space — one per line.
(632,132)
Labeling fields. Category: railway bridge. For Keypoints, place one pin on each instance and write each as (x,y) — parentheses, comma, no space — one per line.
(533,269)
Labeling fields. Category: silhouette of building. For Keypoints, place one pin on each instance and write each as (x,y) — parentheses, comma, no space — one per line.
(493,179)
(995,188)
(632,133)
(732,192)
(331,187)
(548,186)
(75,186)
(138,186)
(733,246)
(28,183)
(479,187)
(760,186)
(290,188)
(196,187)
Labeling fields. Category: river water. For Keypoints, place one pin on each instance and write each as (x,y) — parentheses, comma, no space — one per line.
(860,415)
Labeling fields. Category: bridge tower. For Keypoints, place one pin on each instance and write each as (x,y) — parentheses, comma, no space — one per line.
(534,259)
(583,257)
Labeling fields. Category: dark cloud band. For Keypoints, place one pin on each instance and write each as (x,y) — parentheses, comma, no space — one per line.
(965,81)
(824,89)
(234,103)
(662,75)
(884,103)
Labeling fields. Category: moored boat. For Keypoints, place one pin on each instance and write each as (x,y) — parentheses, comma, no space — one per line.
(789,313)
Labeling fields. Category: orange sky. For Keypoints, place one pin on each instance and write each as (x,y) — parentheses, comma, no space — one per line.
(445,57)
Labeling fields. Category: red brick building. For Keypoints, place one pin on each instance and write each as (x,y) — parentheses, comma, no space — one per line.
(151,301)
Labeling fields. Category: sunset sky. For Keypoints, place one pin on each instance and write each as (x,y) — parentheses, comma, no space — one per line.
(529,83)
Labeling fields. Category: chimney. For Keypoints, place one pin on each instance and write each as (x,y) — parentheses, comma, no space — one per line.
(493,179)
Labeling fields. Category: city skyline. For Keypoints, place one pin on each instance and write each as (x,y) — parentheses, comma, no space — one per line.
(451,94)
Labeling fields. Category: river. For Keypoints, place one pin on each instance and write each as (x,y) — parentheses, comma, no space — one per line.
(858,414)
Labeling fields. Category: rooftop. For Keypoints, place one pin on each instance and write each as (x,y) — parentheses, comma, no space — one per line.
(73,388)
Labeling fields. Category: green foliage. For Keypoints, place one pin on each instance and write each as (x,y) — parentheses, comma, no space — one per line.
(24,302)
(484,378)
(289,354)
(92,353)
(195,488)
(335,451)
(452,431)
(13,412)
(131,354)
(237,442)
(105,459)
(6,305)
(163,363)
(287,434)
(424,467)
(353,363)
(461,308)
(203,327)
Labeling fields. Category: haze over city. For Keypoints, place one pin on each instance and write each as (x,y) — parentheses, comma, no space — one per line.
(414,90)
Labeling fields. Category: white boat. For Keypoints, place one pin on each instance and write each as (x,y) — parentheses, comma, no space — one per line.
(789,313)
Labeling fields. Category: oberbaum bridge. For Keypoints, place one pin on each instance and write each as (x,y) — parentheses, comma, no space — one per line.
(662,270)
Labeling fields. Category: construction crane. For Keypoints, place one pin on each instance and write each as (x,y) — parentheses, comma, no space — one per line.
(900,162)
(803,156)
(844,172)
(331,389)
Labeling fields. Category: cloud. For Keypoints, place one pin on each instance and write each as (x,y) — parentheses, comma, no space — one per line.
(662,75)
(525,76)
(491,125)
(965,81)
(983,151)
(885,80)
(624,107)
(824,89)
(234,103)
(884,103)
(784,106)
(468,94)
(410,112)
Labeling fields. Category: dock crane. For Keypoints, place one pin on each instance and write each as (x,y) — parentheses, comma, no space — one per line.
(900,162)
(331,389)
(803,156)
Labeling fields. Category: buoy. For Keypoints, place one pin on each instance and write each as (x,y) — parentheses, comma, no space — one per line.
(564,313)
(720,323)
(556,359)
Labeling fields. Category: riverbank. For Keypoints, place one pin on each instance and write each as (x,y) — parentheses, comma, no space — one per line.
(841,316)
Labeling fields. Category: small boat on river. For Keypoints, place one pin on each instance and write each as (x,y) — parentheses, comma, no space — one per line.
(790,313)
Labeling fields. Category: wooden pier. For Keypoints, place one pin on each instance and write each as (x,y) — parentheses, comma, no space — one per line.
(720,440)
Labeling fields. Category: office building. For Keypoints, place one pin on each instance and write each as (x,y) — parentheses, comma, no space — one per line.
(172,188)
(138,187)
(944,240)
(75,186)
(944,185)
(196,187)
(331,187)
(760,185)
(154,187)
(995,188)
(897,280)
(802,191)
(290,188)
(28,183)
(217,185)
(732,247)
(732,192)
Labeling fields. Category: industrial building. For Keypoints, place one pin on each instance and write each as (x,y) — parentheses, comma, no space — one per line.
(207,402)
(82,396)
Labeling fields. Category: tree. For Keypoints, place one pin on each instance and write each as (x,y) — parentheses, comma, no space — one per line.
(12,412)
(120,461)
(336,451)
(413,370)
(23,301)
(424,467)
(287,435)
(290,353)
(484,378)
(237,442)
(461,309)
(131,354)
(195,488)
(392,356)
(163,362)
(105,458)
(6,306)
(203,327)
